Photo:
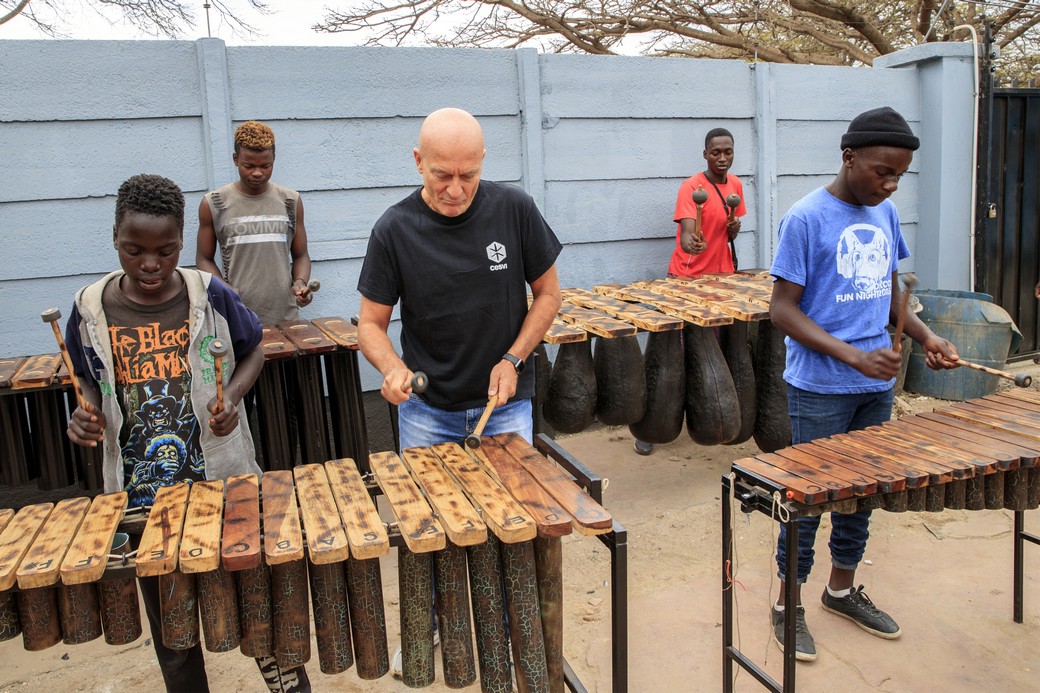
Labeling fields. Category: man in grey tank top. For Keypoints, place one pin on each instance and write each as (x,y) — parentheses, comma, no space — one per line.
(259,226)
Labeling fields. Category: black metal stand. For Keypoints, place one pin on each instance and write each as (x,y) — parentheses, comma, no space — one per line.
(617,541)
(753,497)
(1021,537)
(756,493)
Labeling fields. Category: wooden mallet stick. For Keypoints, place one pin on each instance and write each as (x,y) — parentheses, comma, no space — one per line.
(218,350)
(52,315)
(700,196)
(1019,379)
(473,439)
(732,202)
(909,282)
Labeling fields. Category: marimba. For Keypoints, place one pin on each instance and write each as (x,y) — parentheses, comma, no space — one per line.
(242,556)
(974,455)
(302,359)
(652,394)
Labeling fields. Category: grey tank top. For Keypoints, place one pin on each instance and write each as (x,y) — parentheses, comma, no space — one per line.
(255,233)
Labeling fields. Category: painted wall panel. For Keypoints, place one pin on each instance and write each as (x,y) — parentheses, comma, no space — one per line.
(575,86)
(127,79)
(280,82)
(76,159)
(599,149)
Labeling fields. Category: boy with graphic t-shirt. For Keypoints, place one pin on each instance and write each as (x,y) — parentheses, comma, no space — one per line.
(139,343)
(835,293)
(259,226)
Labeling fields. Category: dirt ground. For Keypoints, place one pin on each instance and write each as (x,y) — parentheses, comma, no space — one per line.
(945,577)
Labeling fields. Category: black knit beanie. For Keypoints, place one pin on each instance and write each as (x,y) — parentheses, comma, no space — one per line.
(879,127)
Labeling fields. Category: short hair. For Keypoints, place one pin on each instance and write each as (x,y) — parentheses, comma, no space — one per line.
(716,132)
(146,193)
(254,135)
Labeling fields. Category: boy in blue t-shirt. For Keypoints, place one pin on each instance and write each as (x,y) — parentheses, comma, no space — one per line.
(836,291)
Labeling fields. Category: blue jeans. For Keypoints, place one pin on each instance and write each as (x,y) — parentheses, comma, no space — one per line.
(818,416)
(421,425)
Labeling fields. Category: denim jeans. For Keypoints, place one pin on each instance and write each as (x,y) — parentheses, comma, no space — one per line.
(818,416)
(421,425)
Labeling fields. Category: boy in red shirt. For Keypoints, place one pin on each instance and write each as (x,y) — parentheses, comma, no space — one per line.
(713,253)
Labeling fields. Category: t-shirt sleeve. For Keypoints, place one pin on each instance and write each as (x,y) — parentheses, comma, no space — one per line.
(74,344)
(378,279)
(791,261)
(902,251)
(541,246)
(685,208)
(243,325)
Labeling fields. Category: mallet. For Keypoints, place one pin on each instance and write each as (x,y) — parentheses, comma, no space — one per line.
(473,439)
(700,196)
(52,315)
(218,350)
(1019,379)
(419,382)
(732,202)
(909,282)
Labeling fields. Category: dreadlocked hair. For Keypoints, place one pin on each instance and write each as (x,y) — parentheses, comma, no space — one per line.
(716,132)
(150,194)
(254,135)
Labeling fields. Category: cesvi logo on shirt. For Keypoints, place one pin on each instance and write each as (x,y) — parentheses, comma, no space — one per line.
(496,252)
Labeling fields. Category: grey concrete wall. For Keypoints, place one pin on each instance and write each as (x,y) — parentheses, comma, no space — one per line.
(601,142)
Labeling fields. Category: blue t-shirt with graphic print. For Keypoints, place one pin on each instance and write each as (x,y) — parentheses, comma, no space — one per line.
(843,255)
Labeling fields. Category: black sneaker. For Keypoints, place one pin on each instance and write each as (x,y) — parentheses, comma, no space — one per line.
(858,608)
(804,646)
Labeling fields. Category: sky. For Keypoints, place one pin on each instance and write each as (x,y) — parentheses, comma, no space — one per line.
(283,27)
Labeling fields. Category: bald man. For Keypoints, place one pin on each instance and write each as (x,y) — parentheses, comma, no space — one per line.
(458,254)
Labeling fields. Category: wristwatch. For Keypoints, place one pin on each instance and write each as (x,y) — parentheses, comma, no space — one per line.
(518,363)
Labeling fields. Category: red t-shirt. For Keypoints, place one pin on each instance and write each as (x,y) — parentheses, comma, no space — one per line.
(716,258)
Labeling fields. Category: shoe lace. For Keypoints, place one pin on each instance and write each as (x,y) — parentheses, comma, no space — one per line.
(860,598)
(799,621)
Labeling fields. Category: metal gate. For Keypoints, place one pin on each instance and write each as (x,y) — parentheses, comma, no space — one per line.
(1007,245)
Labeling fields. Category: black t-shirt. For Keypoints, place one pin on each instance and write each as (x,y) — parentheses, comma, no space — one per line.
(159,440)
(462,283)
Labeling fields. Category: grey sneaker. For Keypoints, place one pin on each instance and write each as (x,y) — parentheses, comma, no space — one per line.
(804,646)
(858,608)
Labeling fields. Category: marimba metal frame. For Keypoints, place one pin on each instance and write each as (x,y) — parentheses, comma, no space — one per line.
(617,541)
(753,493)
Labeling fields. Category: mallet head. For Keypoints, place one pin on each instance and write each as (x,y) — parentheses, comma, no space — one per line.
(733,200)
(217,348)
(700,196)
(1023,380)
(472,441)
(50,315)
(313,285)
(419,382)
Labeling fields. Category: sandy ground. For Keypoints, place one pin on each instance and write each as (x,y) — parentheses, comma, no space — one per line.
(946,578)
